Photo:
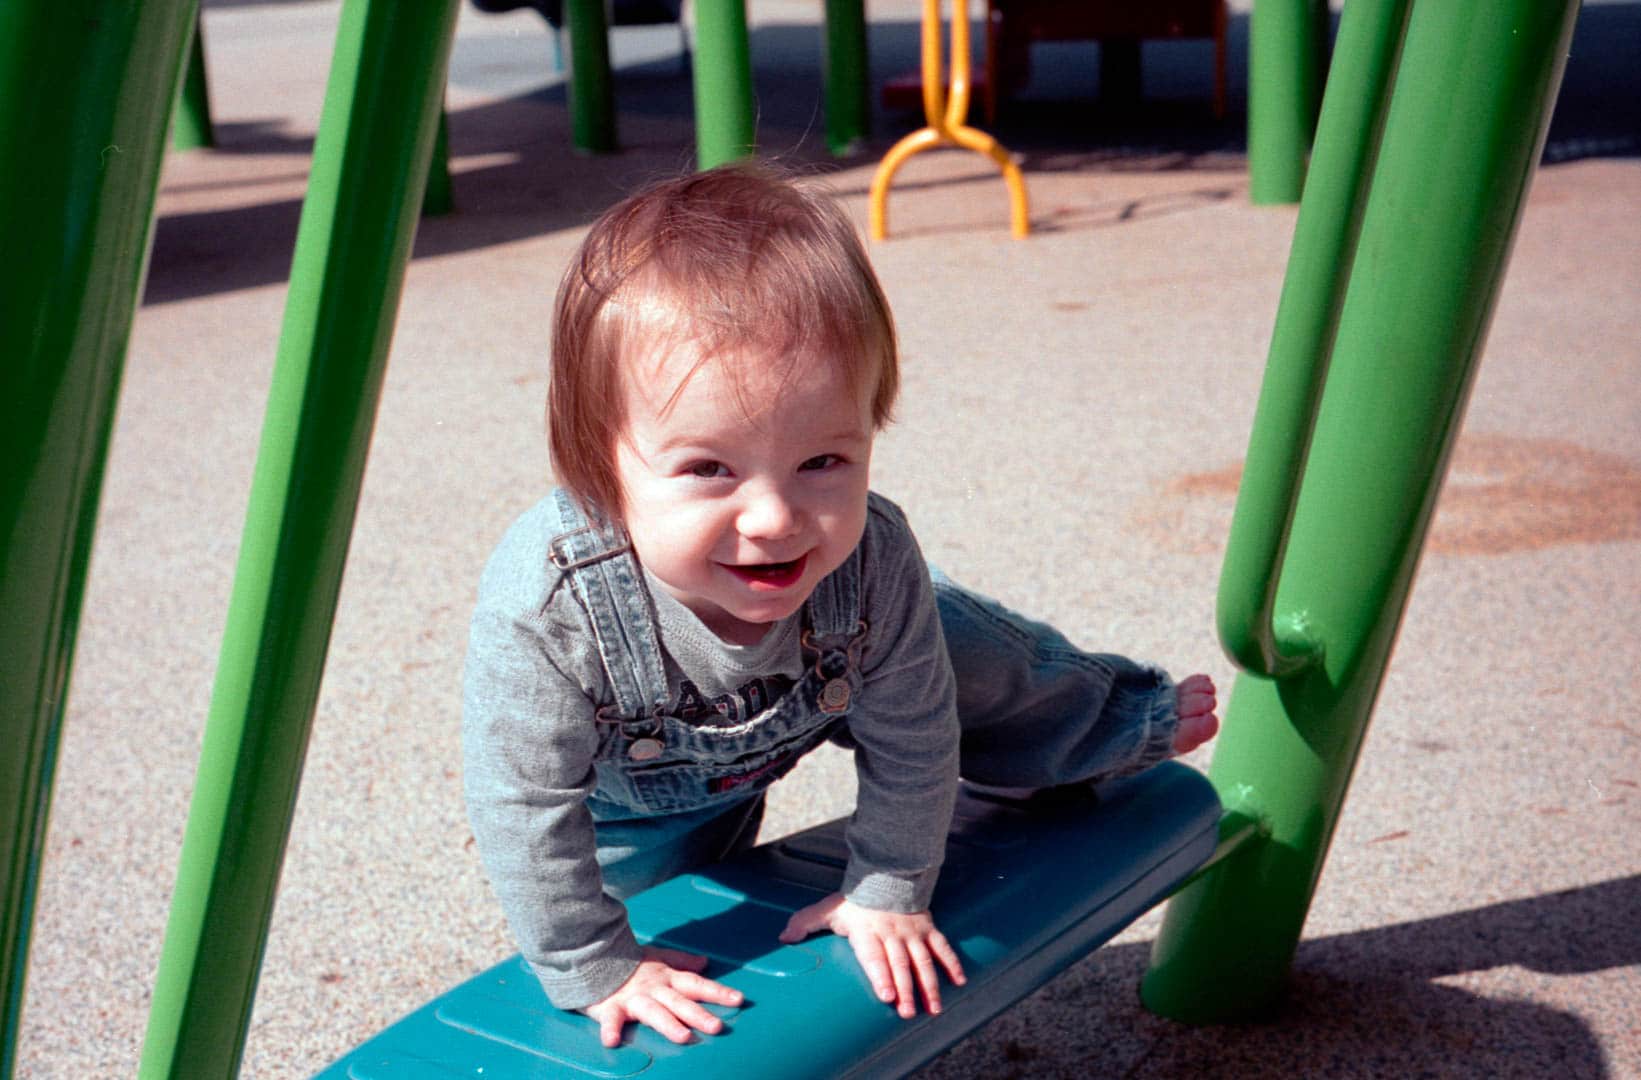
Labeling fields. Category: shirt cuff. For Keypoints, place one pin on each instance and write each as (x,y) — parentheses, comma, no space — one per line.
(904,894)
(592,981)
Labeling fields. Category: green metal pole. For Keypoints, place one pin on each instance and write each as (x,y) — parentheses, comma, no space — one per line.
(1287,46)
(1473,86)
(370,165)
(84,104)
(725,118)
(848,114)
(592,88)
(191,125)
(439,198)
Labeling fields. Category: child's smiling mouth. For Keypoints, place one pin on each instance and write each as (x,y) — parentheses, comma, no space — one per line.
(770,576)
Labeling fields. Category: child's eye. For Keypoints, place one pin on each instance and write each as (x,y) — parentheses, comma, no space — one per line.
(820,461)
(708,470)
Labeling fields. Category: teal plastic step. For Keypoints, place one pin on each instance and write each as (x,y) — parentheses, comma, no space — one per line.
(1028,889)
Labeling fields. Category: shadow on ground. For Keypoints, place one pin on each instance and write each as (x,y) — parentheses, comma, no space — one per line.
(1382,1000)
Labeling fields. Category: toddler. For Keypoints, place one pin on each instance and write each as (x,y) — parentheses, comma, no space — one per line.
(714,591)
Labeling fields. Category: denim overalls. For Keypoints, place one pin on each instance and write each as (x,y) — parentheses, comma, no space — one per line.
(671,795)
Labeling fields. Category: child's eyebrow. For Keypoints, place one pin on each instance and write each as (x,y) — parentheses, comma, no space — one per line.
(854,434)
(711,442)
(687,441)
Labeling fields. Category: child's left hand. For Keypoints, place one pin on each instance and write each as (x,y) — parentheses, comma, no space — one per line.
(892,948)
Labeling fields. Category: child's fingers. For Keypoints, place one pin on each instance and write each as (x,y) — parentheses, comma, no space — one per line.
(927,977)
(809,920)
(943,951)
(701,988)
(900,966)
(798,927)
(650,1012)
(869,954)
(609,1027)
(688,1012)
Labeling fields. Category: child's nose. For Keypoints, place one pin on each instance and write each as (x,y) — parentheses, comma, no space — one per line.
(768,515)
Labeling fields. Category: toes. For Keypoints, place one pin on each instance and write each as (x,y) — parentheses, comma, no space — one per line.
(1195,699)
(1195,695)
(1196,685)
(1194,731)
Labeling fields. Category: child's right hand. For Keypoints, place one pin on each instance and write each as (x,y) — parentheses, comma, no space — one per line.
(664,993)
(896,950)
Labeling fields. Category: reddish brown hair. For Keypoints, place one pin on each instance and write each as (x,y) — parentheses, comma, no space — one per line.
(739,262)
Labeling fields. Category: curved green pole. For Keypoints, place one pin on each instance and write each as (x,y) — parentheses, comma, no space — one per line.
(1287,49)
(848,113)
(84,105)
(724,112)
(1468,108)
(191,125)
(370,165)
(592,87)
(1307,320)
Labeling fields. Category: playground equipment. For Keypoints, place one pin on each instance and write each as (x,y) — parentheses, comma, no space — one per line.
(1432,124)
(191,124)
(624,13)
(725,111)
(1011,901)
(1287,62)
(1288,41)
(1013,25)
(946,116)
(1435,114)
(88,115)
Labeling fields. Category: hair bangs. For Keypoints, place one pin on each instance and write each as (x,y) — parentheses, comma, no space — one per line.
(738,264)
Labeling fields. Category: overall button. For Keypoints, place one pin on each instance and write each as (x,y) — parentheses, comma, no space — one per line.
(644,749)
(834,696)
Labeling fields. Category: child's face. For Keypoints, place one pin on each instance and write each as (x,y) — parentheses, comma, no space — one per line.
(740,518)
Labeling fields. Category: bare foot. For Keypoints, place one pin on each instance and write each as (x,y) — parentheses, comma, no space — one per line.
(1197,722)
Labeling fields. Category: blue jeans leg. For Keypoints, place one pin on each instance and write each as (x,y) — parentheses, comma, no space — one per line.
(1035,710)
(636,853)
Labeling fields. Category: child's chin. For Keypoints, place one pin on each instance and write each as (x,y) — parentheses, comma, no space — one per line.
(763,614)
(773,609)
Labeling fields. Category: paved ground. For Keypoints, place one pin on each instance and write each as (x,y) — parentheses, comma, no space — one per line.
(1076,408)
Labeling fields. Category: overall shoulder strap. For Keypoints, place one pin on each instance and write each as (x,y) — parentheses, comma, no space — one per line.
(597,557)
(834,606)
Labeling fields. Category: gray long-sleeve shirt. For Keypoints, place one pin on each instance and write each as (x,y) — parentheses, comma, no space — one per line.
(534,681)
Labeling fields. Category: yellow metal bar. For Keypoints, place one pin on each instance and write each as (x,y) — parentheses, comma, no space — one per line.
(957,104)
(946,114)
(921,139)
(934,80)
